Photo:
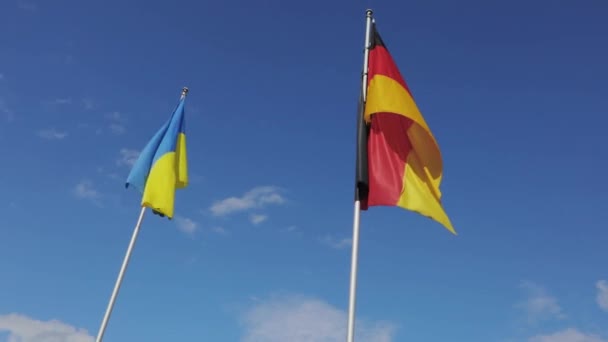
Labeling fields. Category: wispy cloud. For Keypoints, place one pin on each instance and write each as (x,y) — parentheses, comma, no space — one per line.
(117,128)
(186,225)
(219,230)
(568,335)
(256,198)
(26,329)
(52,134)
(336,243)
(257,218)
(111,175)
(292,230)
(62,101)
(539,305)
(115,116)
(57,102)
(128,157)
(27,5)
(602,294)
(302,319)
(86,190)
(117,122)
(115,176)
(6,111)
(88,103)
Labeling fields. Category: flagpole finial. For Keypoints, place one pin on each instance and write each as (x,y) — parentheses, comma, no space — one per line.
(184,91)
(368,13)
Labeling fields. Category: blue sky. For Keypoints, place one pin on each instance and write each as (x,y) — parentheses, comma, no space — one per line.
(514,92)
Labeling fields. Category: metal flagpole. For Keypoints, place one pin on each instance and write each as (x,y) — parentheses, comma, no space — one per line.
(125,263)
(355,249)
(121,274)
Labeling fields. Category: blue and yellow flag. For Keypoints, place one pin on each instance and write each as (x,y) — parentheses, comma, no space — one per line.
(162,166)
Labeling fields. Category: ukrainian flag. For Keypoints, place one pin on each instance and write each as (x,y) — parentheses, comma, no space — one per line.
(162,166)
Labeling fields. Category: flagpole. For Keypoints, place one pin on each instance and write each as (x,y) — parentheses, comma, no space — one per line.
(125,263)
(121,274)
(357,210)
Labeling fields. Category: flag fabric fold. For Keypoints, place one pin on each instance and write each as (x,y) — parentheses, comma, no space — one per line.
(398,159)
(162,166)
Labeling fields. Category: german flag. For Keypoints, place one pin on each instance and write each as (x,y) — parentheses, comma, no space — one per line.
(398,159)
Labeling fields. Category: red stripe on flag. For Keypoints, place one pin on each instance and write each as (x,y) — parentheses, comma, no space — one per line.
(388,148)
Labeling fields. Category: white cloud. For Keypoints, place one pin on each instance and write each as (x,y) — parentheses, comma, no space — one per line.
(117,122)
(52,134)
(117,128)
(88,103)
(335,242)
(60,101)
(115,116)
(115,176)
(568,335)
(602,294)
(128,157)
(257,197)
(21,328)
(27,5)
(539,305)
(186,225)
(300,319)
(6,110)
(219,230)
(257,218)
(292,230)
(85,190)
